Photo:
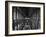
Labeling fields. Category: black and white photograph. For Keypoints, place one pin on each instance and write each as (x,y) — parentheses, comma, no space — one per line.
(24,18)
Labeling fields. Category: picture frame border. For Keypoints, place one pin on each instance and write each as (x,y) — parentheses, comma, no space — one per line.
(6,18)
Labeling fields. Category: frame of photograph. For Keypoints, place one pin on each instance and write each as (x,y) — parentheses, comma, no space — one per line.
(6,18)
